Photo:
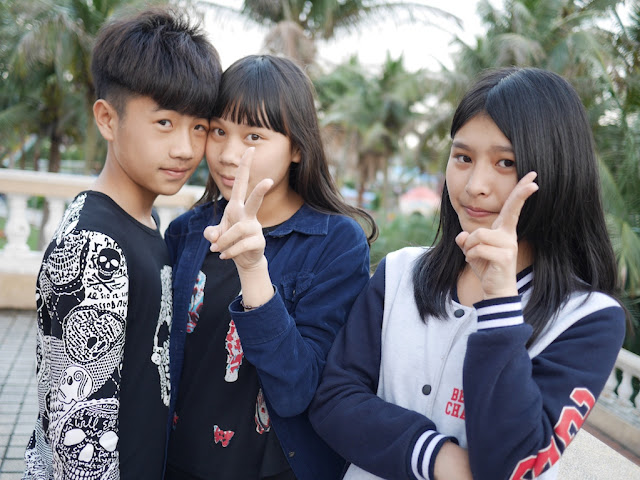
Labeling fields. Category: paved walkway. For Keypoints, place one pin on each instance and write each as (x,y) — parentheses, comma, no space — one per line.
(587,458)
(18,397)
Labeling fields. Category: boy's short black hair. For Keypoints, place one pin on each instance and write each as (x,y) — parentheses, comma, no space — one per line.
(157,53)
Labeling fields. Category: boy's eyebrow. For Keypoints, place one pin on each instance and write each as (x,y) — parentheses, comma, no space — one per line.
(494,148)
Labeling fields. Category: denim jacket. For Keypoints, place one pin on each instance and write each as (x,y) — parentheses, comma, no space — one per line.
(318,264)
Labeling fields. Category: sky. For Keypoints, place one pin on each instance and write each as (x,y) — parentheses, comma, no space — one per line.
(421,46)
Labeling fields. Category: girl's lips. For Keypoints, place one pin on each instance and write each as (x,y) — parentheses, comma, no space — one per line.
(477,213)
(227,181)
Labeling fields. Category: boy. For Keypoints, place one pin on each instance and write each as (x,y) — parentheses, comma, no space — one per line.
(103,293)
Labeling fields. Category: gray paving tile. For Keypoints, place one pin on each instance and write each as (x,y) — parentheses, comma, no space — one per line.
(12,388)
(14,397)
(23,429)
(10,476)
(14,453)
(14,379)
(13,466)
(25,418)
(29,408)
(11,409)
(20,441)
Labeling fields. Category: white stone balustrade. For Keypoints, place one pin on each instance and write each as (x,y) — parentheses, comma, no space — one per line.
(620,392)
(18,263)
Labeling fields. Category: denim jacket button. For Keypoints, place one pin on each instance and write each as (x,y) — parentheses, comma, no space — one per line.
(291,454)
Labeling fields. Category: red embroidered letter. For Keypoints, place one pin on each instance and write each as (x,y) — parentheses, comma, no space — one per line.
(570,421)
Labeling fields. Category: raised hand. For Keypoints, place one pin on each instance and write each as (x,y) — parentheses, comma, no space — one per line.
(492,253)
(239,234)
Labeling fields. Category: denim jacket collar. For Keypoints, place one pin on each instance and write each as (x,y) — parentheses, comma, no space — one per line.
(306,220)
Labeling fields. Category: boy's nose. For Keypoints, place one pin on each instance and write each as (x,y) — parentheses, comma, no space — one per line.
(182,146)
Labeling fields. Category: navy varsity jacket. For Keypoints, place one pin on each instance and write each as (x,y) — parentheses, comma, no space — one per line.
(396,388)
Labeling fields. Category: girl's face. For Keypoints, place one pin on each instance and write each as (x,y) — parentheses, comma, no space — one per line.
(481,172)
(228,141)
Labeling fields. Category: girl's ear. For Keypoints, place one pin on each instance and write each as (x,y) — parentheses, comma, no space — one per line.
(106,118)
(296,155)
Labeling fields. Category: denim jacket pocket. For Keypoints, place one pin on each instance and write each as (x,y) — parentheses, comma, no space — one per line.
(293,286)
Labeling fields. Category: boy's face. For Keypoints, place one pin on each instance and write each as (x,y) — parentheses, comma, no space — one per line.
(155,151)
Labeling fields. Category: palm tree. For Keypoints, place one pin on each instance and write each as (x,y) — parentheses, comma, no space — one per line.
(373,113)
(618,140)
(564,36)
(296,25)
(58,36)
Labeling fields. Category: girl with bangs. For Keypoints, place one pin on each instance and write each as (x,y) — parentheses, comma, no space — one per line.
(266,267)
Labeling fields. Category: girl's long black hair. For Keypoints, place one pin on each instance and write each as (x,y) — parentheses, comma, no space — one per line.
(272,92)
(543,118)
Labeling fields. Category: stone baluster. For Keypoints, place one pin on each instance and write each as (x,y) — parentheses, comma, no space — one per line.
(610,387)
(629,364)
(17,228)
(625,390)
(56,210)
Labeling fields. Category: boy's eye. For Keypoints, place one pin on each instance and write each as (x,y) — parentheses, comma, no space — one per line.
(254,137)
(165,123)
(201,127)
(217,131)
(463,158)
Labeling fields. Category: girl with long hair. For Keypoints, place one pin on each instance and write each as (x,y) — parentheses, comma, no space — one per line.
(481,356)
(260,297)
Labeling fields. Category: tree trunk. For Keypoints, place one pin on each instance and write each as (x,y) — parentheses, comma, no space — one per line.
(364,176)
(23,156)
(37,148)
(54,154)
(90,144)
(54,166)
(385,187)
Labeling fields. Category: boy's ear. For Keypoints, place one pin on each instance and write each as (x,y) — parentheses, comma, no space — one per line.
(106,118)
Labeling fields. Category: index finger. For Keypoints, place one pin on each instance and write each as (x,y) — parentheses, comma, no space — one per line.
(241,182)
(256,196)
(510,213)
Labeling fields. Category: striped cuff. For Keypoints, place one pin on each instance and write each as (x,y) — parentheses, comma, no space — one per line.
(423,457)
(499,312)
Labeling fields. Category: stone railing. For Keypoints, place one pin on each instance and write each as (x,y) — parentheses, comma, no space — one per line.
(618,412)
(19,264)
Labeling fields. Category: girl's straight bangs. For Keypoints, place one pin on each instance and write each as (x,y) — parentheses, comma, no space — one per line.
(252,102)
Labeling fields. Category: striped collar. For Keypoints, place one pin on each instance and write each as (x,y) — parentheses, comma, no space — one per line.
(525,280)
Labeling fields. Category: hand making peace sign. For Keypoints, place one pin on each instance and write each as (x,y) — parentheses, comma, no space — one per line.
(492,253)
(239,234)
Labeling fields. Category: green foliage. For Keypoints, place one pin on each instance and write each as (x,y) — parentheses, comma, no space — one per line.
(325,18)
(46,89)
(374,111)
(403,231)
